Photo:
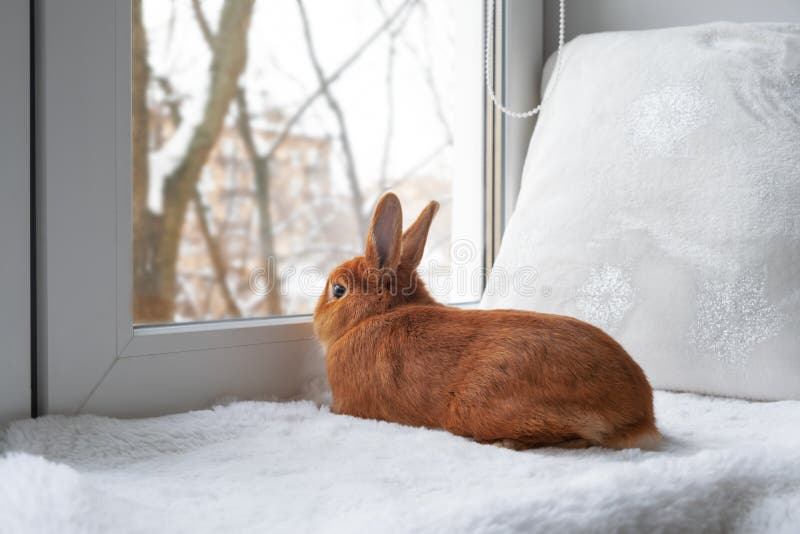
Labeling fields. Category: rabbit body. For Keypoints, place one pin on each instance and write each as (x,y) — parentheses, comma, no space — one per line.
(504,376)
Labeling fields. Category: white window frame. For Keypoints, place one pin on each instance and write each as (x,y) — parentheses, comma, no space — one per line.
(92,358)
(15,307)
(518,26)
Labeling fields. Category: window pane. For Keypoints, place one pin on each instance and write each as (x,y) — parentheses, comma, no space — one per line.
(264,132)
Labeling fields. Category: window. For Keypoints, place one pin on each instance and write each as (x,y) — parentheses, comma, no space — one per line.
(265,131)
(121,337)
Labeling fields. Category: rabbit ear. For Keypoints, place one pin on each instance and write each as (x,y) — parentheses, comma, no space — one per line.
(383,238)
(416,235)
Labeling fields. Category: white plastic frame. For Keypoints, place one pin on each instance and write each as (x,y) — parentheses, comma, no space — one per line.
(92,359)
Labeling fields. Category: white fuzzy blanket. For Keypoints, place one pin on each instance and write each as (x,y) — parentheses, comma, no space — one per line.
(726,466)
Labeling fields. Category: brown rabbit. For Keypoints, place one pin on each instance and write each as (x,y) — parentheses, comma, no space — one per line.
(520,379)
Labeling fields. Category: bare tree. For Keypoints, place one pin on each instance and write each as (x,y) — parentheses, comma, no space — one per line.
(350,164)
(336,74)
(172,100)
(144,282)
(261,163)
(157,236)
(427,72)
(215,255)
(205,28)
(212,242)
(154,297)
(262,178)
(391,52)
(261,174)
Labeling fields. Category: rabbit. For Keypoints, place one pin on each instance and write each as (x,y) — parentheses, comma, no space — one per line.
(512,378)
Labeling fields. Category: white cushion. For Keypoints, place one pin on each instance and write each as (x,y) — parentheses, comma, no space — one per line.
(661,202)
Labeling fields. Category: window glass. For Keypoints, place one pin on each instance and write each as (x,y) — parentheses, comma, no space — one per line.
(265,131)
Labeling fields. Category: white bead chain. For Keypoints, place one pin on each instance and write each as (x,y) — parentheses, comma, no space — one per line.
(489,46)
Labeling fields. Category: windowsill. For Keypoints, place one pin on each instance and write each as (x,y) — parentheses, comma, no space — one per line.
(159,339)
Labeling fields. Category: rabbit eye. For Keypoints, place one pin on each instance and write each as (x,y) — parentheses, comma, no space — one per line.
(339,291)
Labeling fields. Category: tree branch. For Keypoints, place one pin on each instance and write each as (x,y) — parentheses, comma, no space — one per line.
(212,243)
(145,291)
(214,253)
(172,101)
(430,81)
(387,139)
(344,137)
(139,135)
(262,180)
(335,75)
(228,61)
(260,167)
(412,171)
(202,22)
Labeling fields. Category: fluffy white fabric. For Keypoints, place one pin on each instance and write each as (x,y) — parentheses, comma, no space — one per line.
(727,466)
(661,201)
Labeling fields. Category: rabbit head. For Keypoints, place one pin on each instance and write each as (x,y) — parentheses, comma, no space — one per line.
(384,278)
